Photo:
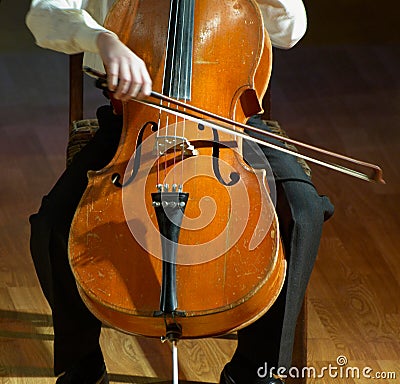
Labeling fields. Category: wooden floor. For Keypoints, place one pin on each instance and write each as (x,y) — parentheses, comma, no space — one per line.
(341,94)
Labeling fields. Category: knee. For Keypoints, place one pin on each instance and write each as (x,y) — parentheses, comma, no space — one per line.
(304,207)
(310,211)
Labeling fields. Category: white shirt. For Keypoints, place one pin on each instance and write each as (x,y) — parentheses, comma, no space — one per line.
(72,26)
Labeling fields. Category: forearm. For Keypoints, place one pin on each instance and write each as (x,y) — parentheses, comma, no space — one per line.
(62,25)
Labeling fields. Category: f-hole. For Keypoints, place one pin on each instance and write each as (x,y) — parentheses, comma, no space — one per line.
(116,177)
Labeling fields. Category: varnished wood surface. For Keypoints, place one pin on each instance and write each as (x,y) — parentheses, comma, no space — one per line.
(343,96)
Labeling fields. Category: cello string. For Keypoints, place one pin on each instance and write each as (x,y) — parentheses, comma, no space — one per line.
(170,48)
(182,87)
(187,83)
(188,13)
(173,70)
(167,48)
(178,85)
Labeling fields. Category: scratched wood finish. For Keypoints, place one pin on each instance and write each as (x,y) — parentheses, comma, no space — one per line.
(343,97)
(243,263)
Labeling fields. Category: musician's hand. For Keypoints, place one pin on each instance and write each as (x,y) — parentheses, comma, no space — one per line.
(127,74)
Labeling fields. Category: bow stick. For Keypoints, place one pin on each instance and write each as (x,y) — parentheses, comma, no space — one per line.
(230,126)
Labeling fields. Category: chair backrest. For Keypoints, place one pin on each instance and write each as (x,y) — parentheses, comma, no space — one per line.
(75,88)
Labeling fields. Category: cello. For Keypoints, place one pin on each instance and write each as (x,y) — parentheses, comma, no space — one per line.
(122,258)
(177,236)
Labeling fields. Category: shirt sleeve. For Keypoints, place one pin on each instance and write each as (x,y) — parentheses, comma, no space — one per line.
(63,25)
(285,21)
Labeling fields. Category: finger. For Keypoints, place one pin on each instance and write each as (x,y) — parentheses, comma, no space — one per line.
(146,83)
(134,90)
(124,81)
(146,86)
(112,76)
(137,82)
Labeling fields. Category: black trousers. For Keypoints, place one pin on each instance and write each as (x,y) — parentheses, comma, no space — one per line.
(301,212)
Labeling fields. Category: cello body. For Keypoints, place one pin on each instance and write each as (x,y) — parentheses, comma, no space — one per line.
(228,263)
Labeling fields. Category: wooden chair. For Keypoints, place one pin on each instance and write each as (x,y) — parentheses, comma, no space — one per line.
(76,94)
